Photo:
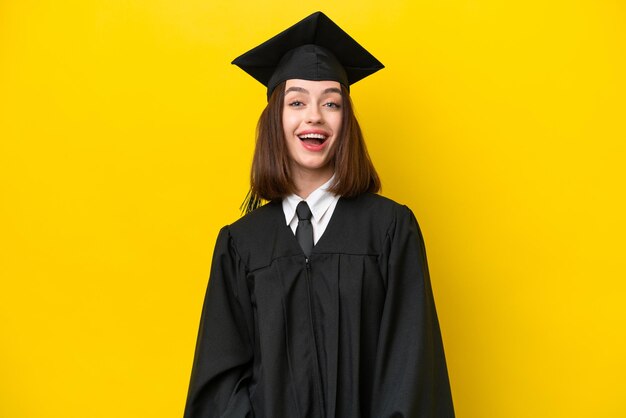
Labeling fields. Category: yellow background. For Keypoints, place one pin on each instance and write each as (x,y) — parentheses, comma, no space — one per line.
(125,142)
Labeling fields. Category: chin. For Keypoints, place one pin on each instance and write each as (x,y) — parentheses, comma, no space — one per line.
(313,164)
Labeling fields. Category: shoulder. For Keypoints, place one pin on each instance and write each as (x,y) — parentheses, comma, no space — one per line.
(364,224)
(259,236)
(380,207)
(373,200)
(394,221)
(258,221)
(258,224)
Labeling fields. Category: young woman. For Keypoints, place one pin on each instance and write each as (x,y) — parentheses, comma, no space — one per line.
(319,302)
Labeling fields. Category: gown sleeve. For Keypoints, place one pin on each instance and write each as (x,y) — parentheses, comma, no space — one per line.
(222,366)
(411,378)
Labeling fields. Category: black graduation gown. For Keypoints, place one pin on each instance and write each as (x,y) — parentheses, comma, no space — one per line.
(350,332)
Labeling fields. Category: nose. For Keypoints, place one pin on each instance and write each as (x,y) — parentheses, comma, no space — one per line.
(314,115)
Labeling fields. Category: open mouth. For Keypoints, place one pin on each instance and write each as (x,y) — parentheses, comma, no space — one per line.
(313,139)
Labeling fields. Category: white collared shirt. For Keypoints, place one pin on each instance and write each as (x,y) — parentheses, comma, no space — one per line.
(322,204)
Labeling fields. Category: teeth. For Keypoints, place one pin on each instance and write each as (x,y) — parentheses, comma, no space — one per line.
(312,136)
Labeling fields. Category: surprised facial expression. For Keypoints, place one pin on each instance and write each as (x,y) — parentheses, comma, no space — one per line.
(312,118)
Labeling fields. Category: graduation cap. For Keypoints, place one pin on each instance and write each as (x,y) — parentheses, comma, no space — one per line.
(313,49)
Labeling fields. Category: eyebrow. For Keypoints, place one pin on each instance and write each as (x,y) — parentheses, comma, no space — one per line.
(305,91)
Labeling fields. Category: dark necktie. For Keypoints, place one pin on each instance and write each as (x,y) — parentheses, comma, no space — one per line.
(304,231)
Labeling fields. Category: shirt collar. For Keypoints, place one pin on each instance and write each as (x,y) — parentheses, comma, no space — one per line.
(319,201)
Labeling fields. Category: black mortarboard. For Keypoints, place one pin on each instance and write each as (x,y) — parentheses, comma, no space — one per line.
(313,49)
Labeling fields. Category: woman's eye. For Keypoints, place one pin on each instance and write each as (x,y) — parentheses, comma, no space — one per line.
(332,105)
(296,103)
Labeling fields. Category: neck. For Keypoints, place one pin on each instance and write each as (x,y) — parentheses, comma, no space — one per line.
(307,181)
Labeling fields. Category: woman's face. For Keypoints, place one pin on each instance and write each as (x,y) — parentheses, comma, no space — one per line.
(311,123)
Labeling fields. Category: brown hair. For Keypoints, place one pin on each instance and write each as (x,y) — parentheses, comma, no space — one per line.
(270,177)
